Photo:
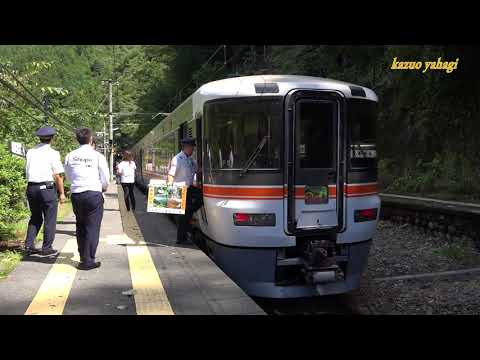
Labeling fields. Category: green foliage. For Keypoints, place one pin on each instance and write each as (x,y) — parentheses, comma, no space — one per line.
(12,192)
(430,116)
(8,260)
(457,252)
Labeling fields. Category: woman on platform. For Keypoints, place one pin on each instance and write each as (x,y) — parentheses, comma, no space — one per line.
(126,170)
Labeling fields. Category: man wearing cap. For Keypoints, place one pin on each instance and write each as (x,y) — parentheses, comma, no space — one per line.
(88,172)
(43,172)
(183,169)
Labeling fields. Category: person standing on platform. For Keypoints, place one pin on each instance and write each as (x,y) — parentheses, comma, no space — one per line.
(183,169)
(126,170)
(88,172)
(43,172)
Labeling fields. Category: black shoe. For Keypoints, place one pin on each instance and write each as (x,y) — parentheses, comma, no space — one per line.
(187,240)
(83,266)
(31,250)
(48,252)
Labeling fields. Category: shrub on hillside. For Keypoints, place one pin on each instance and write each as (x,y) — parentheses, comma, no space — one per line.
(12,192)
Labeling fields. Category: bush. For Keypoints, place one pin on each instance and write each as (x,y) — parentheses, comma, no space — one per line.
(447,173)
(12,192)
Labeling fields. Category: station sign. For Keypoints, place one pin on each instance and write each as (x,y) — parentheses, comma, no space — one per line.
(18,149)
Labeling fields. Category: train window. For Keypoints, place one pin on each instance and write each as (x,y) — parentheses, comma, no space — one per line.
(315,134)
(362,117)
(237,128)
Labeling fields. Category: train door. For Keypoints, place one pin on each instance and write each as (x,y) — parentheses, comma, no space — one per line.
(199,153)
(314,157)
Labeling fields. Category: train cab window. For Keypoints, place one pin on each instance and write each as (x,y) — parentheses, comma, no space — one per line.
(315,137)
(239,131)
(362,117)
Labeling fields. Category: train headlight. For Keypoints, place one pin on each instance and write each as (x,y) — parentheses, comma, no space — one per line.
(365,215)
(244,219)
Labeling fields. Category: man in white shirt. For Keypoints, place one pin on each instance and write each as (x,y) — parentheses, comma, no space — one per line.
(88,172)
(43,171)
(183,169)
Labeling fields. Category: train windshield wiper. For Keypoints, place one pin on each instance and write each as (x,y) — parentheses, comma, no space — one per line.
(254,155)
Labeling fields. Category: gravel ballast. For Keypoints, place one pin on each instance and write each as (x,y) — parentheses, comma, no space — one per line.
(407,250)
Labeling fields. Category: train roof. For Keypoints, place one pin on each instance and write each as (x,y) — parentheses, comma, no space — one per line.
(246,86)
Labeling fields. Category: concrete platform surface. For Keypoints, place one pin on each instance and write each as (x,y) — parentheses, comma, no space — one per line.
(143,272)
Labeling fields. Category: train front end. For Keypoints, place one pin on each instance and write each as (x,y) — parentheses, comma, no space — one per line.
(290,187)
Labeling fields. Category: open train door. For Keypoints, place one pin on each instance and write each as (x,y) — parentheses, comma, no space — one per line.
(315,162)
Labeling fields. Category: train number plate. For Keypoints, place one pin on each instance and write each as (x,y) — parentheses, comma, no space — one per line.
(316,195)
(369,154)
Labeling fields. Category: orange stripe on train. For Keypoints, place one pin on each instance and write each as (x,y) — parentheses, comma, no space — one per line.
(351,190)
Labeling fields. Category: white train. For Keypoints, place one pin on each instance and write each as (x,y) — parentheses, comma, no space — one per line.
(289,179)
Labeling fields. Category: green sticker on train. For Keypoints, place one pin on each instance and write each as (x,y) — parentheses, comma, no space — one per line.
(316,195)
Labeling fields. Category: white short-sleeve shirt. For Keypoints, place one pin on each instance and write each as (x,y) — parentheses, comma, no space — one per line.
(126,169)
(42,163)
(87,170)
(183,169)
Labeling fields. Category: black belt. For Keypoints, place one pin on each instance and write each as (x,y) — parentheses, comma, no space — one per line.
(41,183)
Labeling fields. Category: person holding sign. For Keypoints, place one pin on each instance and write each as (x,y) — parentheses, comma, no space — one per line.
(183,169)
(126,170)
(43,172)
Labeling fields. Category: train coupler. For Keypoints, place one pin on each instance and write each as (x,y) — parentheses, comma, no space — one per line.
(320,265)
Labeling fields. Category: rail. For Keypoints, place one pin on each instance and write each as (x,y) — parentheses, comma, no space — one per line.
(452,220)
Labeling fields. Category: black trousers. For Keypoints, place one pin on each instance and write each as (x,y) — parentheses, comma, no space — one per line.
(88,209)
(43,205)
(193,203)
(129,195)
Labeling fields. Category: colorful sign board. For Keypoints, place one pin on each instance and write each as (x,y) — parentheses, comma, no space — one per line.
(166,198)
(316,195)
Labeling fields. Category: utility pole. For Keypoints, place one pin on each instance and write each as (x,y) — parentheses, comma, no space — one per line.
(110,116)
(105,137)
(45,107)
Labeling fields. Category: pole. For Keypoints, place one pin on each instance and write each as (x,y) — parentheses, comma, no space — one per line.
(110,115)
(105,138)
(45,106)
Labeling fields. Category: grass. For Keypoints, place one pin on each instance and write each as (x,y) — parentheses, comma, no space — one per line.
(8,260)
(10,257)
(457,252)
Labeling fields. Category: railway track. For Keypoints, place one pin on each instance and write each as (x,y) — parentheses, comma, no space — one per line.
(345,304)
(449,220)
(434,217)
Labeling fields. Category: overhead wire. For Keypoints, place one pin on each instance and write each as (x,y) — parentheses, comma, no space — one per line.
(30,102)
(39,107)
(19,108)
(201,67)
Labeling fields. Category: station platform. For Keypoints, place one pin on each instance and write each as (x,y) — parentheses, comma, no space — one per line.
(143,272)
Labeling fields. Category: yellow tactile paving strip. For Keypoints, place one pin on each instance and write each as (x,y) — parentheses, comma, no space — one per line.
(53,293)
(149,294)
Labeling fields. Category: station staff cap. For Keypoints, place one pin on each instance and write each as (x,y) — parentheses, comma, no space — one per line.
(45,131)
(188,141)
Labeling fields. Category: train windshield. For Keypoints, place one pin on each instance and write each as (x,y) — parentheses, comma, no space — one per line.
(235,127)
(363,116)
